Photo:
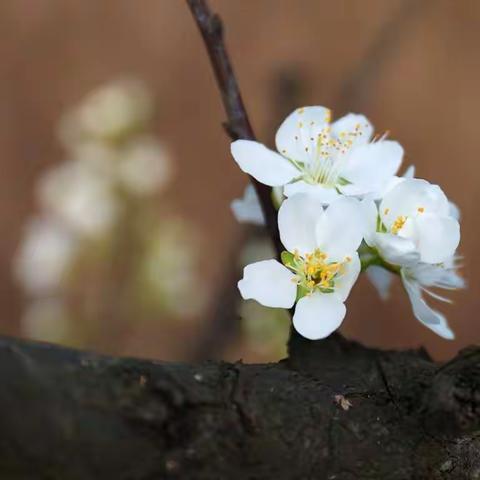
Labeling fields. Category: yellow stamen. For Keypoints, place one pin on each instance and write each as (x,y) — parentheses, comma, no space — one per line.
(398,224)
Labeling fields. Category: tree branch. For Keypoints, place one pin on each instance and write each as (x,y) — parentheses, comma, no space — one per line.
(238,125)
(341,412)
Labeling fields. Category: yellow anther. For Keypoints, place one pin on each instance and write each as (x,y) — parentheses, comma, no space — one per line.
(420,209)
(300,110)
(385,212)
(300,124)
(398,224)
(328,116)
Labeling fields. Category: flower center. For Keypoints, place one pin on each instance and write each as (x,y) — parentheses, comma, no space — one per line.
(398,224)
(326,153)
(313,271)
(400,221)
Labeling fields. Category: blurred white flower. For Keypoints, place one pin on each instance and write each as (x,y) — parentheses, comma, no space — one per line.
(44,256)
(169,269)
(247,209)
(110,112)
(144,166)
(46,320)
(79,196)
(99,158)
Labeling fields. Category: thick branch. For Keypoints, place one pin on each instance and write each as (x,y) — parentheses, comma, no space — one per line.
(337,412)
(238,125)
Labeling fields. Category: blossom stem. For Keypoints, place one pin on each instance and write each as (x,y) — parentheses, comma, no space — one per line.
(238,125)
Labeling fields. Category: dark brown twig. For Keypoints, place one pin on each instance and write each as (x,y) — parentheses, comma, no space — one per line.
(238,125)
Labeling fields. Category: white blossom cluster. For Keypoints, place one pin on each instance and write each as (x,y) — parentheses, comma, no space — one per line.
(345,210)
(107,188)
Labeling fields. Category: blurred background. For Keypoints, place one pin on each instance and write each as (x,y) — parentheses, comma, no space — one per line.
(117,233)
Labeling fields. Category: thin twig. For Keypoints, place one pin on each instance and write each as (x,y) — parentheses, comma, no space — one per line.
(223,325)
(238,125)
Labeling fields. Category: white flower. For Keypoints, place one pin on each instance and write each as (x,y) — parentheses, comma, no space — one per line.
(420,278)
(80,196)
(144,166)
(44,256)
(412,224)
(247,209)
(321,264)
(322,158)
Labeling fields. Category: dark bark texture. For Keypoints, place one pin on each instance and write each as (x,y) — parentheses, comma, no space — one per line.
(333,410)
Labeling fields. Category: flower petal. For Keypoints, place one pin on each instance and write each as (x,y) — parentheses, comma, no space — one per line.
(396,250)
(324,194)
(318,315)
(438,237)
(297,219)
(409,196)
(269,283)
(297,130)
(381,279)
(370,215)
(432,319)
(349,123)
(247,209)
(454,211)
(340,231)
(263,164)
(345,282)
(372,165)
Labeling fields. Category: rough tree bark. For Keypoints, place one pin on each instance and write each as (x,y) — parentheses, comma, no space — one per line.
(332,410)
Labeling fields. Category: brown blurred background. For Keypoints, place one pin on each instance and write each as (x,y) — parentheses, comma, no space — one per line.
(413,67)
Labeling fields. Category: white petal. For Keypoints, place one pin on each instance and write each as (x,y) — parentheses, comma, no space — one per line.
(438,237)
(296,130)
(410,195)
(396,250)
(373,165)
(409,172)
(454,211)
(345,282)
(349,122)
(263,164)
(318,315)
(297,219)
(370,213)
(269,283)
(381,279)
(430,318)
(356,190)
(340,231)
(324,194)
(247,209)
